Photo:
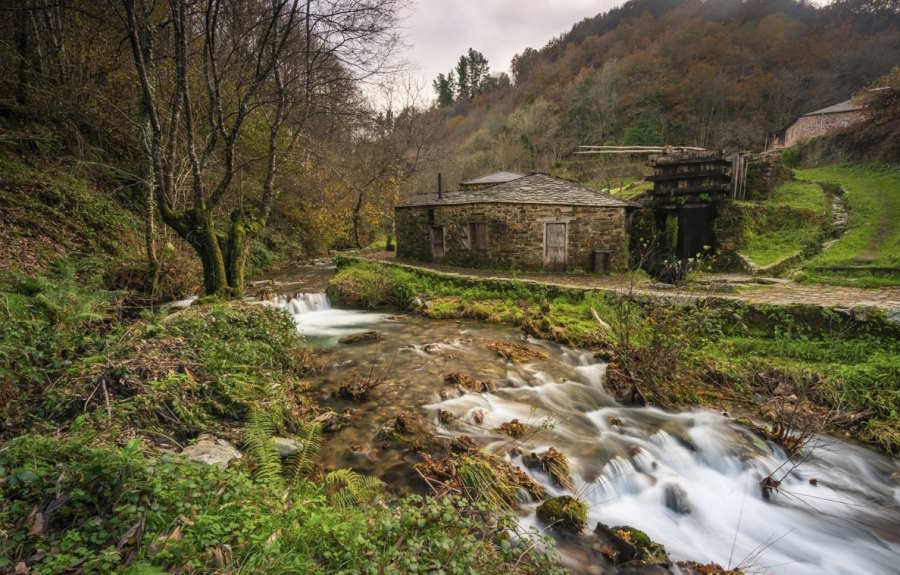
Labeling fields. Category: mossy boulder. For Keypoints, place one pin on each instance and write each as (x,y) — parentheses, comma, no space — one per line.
(564,513)
(630,544)
(360,337)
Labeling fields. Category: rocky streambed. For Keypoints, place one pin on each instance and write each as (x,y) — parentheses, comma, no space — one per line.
(412,396)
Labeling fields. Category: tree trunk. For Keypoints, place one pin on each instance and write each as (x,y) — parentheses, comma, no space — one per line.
(206,244)
(145,38)
(356,220)
(235,253)
(22,53)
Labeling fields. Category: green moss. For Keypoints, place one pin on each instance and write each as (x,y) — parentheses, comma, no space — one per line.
(564,513)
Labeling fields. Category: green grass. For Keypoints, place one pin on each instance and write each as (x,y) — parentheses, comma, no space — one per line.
(800,194)
(787,225)
(774,246)
(630,190)
(872,238)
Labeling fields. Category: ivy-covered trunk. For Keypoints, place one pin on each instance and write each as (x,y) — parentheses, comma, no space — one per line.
(235,252)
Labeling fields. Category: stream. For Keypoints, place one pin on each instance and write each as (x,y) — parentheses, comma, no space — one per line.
(690,479)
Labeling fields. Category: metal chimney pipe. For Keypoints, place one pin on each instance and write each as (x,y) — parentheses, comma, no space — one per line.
(440,190)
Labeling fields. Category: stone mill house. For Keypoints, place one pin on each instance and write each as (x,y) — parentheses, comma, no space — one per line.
(509,220)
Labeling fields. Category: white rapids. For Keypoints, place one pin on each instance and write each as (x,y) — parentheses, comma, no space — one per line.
(316,319)
(625,459)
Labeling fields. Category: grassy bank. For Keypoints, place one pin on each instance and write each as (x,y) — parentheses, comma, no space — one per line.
(713,352)
(96,404)
(868,253)
(788,225)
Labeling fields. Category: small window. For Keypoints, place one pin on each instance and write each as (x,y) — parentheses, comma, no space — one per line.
(478,235)
(430,216)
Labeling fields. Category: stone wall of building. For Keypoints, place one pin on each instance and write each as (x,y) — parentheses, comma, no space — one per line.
(808,127)
(515,234)
(764,174)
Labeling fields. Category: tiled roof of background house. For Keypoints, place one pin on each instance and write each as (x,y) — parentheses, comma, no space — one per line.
(495,178)
(845,106)
(532,189)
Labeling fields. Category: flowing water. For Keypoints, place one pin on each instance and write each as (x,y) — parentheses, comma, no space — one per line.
(838,512)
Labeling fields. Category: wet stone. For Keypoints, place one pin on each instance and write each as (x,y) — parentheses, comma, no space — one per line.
(331,421)
(446,417)
(676,499)
(467,382)
(286,446)
(361,337)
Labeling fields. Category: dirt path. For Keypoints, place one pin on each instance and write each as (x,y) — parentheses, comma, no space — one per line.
(725,286)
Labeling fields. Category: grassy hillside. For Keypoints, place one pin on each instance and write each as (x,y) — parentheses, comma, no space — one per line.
(868,253)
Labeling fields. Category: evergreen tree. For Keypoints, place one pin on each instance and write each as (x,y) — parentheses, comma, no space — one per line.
(463,83)
(444,87)
(478,71)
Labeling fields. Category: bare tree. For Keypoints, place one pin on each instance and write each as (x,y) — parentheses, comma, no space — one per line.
(262,66)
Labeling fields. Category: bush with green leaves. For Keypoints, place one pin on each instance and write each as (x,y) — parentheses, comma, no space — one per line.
(67,504)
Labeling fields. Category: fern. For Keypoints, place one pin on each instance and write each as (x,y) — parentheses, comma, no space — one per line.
(265,462)
(299,465)
(345,488)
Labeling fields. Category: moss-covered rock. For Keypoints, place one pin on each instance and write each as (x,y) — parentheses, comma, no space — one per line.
(630,544)
(564,513)
(360,337)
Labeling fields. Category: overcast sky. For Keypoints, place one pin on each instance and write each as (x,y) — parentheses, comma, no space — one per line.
(439,31)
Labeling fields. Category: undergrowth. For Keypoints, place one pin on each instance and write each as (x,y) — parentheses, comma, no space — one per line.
(95,405)
(68,505)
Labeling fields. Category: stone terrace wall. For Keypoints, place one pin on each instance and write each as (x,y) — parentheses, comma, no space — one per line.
(515,237)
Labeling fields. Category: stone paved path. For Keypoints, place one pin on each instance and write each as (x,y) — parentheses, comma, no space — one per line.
(779,292)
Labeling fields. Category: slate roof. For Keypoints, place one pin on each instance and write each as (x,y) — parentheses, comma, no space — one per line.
(845,106)
(495,178)
(531,189)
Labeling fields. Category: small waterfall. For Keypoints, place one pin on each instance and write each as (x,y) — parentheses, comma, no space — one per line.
(307,302)
(316,319)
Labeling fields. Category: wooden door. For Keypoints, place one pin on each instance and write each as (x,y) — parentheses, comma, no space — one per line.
(555,246)
(437,242)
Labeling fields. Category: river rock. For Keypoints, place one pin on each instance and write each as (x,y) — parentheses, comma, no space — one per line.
(286,446)
(331,421)
(360,337)
(676,499)
(630,544)
(446,417)
(531,460)
(211,451)
(465,382)
(563,513)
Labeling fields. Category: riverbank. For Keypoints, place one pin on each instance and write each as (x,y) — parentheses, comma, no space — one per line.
(187,441)
(797,367)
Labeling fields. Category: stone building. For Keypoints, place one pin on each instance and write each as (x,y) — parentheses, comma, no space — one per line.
(820,123)
(525,222)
